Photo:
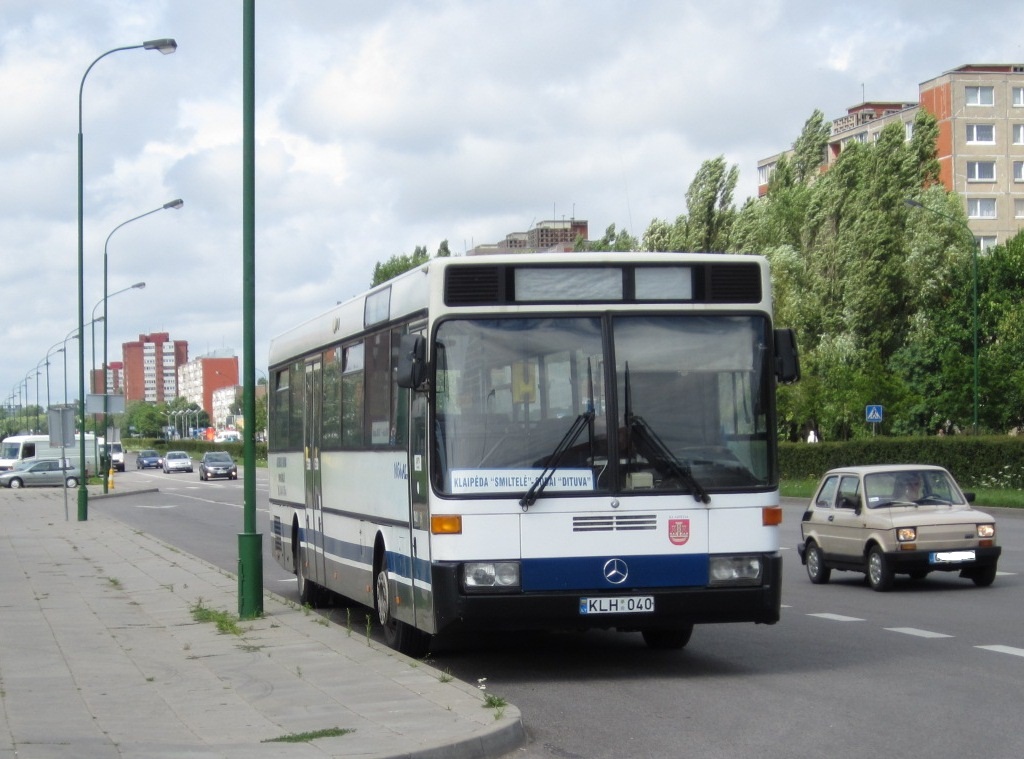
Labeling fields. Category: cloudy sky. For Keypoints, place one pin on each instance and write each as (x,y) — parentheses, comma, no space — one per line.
(381,126)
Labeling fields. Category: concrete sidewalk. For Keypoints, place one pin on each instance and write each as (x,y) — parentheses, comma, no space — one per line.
(100,656)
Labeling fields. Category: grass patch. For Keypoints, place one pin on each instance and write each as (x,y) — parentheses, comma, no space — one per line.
(225,622)
(332,732)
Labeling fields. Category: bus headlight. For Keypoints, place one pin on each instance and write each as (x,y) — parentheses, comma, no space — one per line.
(734,570)
(490,575)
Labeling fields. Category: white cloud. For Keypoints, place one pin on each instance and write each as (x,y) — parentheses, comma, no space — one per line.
(385,126)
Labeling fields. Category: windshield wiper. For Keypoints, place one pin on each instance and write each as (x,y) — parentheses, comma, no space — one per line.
(583,421)
(652,448)
(658,455)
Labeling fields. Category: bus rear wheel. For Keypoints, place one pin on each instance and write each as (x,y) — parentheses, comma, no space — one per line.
(397,634)
(664,640)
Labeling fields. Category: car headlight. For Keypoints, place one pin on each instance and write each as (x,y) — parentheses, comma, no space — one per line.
(734,570)
(986,530)
(479,576)
(906,534)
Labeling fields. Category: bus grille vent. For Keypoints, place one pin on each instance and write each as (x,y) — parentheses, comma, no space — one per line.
(734,283)
(472,285)
(615,523)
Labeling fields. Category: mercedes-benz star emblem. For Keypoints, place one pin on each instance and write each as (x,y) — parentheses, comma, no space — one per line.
(615,571)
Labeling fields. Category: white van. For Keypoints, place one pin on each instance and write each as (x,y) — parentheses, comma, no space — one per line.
(20,447)
(116,453)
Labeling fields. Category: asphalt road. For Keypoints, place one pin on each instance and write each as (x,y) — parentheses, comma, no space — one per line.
(931,669)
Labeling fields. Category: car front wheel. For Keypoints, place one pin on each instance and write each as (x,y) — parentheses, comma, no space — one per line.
(15,483)
(983,577)
(880,574)
(816,569)
(72,482)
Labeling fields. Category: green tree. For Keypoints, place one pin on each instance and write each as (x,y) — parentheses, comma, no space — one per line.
(809,148)
(709,208)
(398,264)
(620,241)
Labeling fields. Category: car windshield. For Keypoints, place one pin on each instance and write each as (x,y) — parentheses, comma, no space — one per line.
(176,455)
(218,458)
(147,454)
(911,486)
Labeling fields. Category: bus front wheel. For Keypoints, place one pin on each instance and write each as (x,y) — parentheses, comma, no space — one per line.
(663,640)
(397,634)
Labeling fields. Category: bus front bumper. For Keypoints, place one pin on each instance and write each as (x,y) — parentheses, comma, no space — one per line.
(661,608)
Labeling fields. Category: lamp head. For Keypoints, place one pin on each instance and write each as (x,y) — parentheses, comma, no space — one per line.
(165,46)
(178,203)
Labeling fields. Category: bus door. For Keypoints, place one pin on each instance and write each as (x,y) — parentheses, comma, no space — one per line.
(311,442)
(419,487)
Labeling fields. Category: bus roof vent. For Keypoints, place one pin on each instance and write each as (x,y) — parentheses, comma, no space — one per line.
(472,285)
(734,283)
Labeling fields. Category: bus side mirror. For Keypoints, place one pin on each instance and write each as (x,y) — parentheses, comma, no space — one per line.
(412,365)
(787,360)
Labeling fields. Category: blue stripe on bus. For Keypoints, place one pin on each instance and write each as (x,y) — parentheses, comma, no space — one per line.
(588,572)
(398,564)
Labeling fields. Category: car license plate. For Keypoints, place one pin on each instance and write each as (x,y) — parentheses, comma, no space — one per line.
(617,605)
(946,557)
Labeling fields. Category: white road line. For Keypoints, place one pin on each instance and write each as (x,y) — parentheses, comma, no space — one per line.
(836,617)
(1004,650)
(918,633)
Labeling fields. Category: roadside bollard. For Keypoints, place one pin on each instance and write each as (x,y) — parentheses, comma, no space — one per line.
(110,479)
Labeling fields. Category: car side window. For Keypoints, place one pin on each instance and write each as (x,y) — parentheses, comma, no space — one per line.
(849,493)
(827,495)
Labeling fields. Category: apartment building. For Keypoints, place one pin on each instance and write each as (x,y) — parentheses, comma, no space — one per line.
(544,236)
(980,112)
(199,378)
(151,367)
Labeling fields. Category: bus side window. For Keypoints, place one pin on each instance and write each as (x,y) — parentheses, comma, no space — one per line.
(28,450)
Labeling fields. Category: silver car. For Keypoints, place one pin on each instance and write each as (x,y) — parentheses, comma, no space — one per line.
(177,461)
(32,472)
(896,519)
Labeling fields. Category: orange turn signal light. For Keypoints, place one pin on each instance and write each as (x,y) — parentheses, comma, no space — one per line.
(771,516)
(446,524)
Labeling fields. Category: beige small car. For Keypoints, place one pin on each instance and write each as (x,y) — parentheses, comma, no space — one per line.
(896,519)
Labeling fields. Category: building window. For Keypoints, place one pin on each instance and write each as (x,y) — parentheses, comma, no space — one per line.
(1018,97)
(981,208)
(985,242)
(1018,171)
(1018,208)
(1018,134)
(980,96)
(981,171)
(981,134)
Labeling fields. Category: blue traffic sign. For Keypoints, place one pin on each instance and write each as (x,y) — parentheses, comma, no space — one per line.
(873,413)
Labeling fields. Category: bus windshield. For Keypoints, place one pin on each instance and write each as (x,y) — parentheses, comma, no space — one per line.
(686,399)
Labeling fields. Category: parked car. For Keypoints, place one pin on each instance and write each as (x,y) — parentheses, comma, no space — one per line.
(217,464)
(896,519)
(177,461)
(148,459)
(32,472)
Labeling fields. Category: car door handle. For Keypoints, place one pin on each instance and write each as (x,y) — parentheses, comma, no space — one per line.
(831,517)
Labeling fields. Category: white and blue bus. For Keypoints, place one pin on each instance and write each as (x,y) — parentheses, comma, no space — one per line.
(537,441)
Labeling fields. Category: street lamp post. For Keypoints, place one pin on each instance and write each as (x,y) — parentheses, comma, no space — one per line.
(165,46)
(53,349)
(136,286)
(974,301)
(175,204)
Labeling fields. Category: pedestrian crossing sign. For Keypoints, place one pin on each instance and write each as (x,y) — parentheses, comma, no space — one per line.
(873,413)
